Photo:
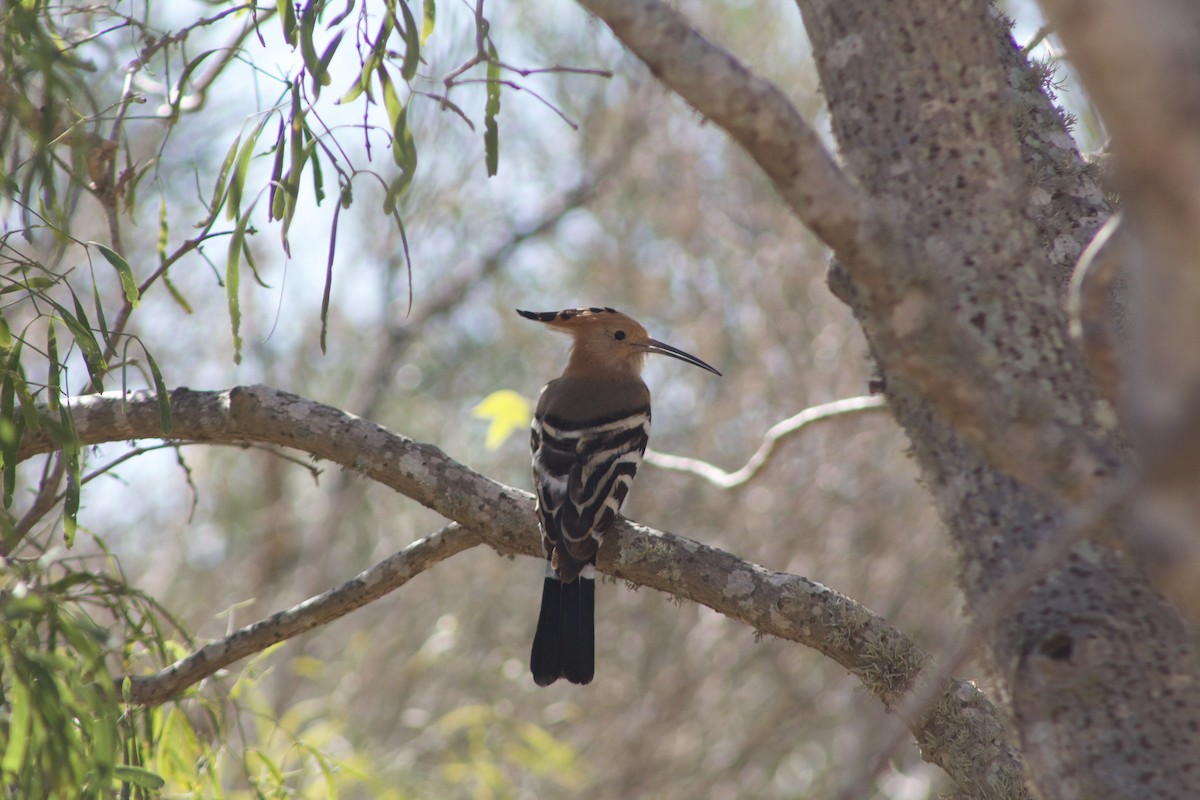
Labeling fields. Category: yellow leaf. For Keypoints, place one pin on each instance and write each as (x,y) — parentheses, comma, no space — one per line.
(505,411)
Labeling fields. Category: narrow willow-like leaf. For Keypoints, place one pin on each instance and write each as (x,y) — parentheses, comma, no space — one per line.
(287,18)
(181,85)
(276,199)
(20,723)
(327,57)
(100,319)
(430,18)
(165,420)
(233,282)
(412,43)
(164,230)
(138,776)
(54,378)
(395,114)
(176,295)
(308,50)
(237,181)
(218,195)
(315,163)
(83,336)
(491,130)
(29,410)
(71,460)
(128,284)
(372,62)
(30,284)
(491,146)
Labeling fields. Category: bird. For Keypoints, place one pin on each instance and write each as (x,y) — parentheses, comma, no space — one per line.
(588,435)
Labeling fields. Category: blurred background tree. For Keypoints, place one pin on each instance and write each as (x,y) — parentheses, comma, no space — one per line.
(217,193)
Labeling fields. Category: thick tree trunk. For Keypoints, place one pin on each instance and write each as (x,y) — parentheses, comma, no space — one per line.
(942,121)
(954,244)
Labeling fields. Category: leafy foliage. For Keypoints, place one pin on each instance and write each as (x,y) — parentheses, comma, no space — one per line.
(93,99)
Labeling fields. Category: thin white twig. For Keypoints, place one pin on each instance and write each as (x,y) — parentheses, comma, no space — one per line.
(779,431)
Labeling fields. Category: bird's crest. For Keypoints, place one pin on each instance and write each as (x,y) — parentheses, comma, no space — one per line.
(607,340)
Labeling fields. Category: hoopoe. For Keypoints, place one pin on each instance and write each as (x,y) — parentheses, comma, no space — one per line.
(588,435)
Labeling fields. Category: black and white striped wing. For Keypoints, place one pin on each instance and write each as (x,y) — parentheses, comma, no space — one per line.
(582,474)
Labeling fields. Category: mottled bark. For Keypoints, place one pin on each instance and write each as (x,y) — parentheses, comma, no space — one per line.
(1140,63)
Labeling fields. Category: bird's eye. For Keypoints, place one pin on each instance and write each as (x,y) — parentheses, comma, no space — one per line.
(619,335)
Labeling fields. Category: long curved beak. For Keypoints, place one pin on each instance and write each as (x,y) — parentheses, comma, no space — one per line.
(655,346)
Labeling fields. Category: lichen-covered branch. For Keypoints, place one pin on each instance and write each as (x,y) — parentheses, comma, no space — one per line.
(961,731)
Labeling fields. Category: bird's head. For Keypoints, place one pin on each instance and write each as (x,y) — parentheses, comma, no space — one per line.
(607,341)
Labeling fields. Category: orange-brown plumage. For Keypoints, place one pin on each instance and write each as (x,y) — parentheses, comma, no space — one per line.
(589,432)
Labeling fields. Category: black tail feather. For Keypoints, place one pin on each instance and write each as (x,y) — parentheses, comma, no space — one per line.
(579,630)
(546,660)
(565,643)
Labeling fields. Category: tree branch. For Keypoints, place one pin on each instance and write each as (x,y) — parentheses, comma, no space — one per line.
(368,586)
(961,733)
(774,435)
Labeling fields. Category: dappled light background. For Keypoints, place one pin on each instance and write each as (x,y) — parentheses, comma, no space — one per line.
(634,203)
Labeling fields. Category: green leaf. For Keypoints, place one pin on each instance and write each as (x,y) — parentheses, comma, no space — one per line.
(96,364)
(308,50)
(491,130)
(10,434)
(218,196)
(165,422)
(54,379)
(287,17)
(318,178)
(404,150)
(372,62)
(300,154)
(31,285)
(71,459)
(19,729)
(138,777)
(29,408)
(493,82)
(506,411)
(164,230)
(326,57)
(412,43)
(233,281)
(128,284)
(176,295)
(430,17)
(183,79)
(237,181)
(276,198)
(86,340)
(99,306)
(491,145)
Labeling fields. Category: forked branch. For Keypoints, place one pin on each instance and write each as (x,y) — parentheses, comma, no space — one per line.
(961,732)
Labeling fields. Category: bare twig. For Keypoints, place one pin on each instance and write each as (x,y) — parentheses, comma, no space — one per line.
(369,585)
(777,432)
(1090,305)
(45,500)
